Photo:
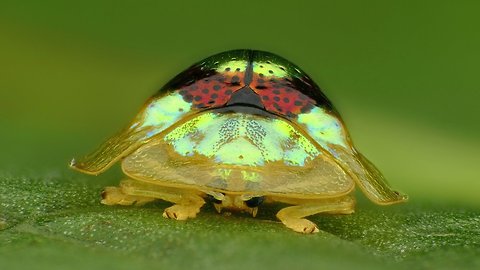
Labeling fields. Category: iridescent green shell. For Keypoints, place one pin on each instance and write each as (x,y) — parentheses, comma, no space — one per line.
(242,121)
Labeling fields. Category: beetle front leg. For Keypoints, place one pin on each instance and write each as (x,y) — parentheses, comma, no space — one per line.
(293,216)
(187,203)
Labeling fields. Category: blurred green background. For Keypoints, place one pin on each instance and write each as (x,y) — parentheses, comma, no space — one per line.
(403,74)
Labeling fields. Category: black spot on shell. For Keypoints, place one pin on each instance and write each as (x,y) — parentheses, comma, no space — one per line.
(198,98)
(277,107)
(205,91)
(238,69)
(228,92)
(227,69)
(216,87)
(286,100)
(276,98)
(235,80)
(188,98)
(276,92)
(298,103)
(270,71)
(214,96)
(265,98)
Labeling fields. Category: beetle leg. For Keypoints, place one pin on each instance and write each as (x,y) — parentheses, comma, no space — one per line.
(183,210)
(187,203)
(293,216)
(114,195)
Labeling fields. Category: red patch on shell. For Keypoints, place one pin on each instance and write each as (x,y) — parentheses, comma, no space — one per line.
(278,95)
(213,91)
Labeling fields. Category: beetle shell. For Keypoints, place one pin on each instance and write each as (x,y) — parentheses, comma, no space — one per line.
(245,87)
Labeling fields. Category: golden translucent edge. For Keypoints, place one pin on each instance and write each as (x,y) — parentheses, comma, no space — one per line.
(106,155)
(380,183)
(385,195)
(256,193)
(271,166)
(130,139)
(379,191)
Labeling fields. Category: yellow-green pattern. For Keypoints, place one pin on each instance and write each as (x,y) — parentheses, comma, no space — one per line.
(242,139)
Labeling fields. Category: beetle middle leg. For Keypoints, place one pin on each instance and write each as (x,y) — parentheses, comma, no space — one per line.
(293,216)
(187,203)
(116,196)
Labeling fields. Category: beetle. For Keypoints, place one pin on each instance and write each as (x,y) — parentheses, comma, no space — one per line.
(240,128)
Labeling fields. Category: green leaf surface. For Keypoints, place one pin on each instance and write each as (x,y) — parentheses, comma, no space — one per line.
(53,223)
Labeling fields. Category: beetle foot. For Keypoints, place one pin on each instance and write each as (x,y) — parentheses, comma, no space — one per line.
(181,212)
(301,225)
(218,207)
(254,211)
